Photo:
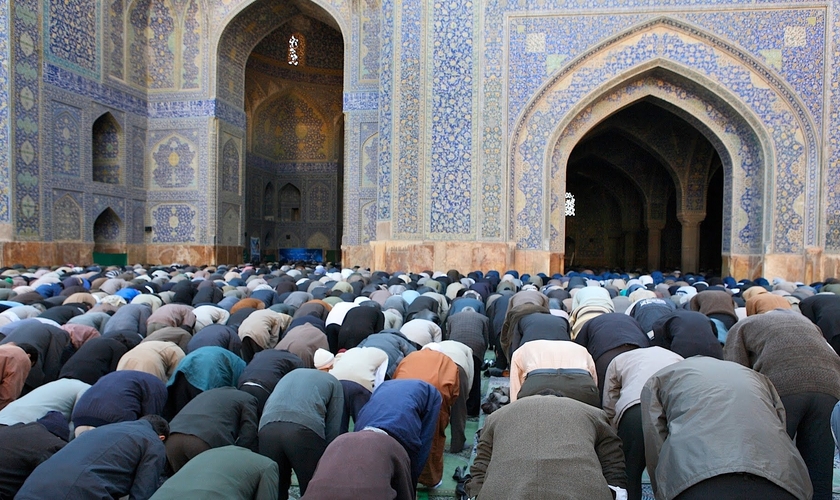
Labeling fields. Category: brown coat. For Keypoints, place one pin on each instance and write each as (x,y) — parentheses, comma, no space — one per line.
(787,348)
(171,315)
(381,469)
(439,370)
(14,368)
(303,341)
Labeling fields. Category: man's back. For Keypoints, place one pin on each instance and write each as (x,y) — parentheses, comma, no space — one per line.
(111,461)
(547,447)
(224,473)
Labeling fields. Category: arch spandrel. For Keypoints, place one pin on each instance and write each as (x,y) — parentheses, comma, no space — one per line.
(759,118)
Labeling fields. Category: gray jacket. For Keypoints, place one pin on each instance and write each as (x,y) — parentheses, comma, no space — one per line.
(704,417)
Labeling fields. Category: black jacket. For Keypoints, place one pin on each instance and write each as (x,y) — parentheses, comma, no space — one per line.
(22,448)
(608,331)
(96,357)
(268,367)
(50,342)
(220,417)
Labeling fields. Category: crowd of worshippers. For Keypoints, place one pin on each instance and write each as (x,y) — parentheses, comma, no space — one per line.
(218,382)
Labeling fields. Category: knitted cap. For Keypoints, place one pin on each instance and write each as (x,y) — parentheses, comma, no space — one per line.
(323,359)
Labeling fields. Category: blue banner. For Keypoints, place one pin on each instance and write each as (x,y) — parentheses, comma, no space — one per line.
(308,254)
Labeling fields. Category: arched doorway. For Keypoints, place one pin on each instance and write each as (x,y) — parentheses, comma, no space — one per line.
(644,154)
(283,63)
(109,239)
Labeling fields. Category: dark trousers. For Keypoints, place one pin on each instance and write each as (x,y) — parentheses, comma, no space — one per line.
(501,358)
(180,392)
(735,487)
(809,423)
(604,361)
(249,348)
(258,392)
(458,417)
(292,446)
(181,448)
(356,397)
(474,399)
(633,444)
(578,386)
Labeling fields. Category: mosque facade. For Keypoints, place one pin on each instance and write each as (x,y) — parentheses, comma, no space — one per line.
(424,133)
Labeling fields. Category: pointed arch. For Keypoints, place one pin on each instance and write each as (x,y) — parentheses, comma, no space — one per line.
(107,150)
(107,229)
(290,203)
(268,201)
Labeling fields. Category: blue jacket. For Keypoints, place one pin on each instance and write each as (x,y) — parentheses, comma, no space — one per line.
(111,461)
(408,411)
(119,397)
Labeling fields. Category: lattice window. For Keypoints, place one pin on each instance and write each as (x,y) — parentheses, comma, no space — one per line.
(570,205)
(297,50)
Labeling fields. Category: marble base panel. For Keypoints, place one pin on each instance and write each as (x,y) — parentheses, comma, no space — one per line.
(193,254)
(442,256)
(356,255)
(32,253)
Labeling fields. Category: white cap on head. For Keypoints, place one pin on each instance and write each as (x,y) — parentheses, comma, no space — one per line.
(323,359)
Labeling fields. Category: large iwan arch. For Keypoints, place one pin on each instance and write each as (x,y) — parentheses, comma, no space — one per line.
(755,123)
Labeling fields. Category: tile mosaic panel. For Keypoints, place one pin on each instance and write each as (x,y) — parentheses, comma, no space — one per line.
(369,148)
(26,132)
(230,167)
(174,163)
(138,158)
(67,219)
(191,50)
(369,26)
(831,175)
(410,133)
(66,142)
(290,129)
(116,39)
(368,225)
(5,142)
(174,223)
(138,222)
(139,16)
(452,111)
(322,200)
(386,84)
(73,37)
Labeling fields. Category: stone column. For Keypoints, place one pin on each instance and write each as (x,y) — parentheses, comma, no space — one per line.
(690,258)
(654,228)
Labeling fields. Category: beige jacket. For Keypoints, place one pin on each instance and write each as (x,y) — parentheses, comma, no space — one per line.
(264,327)
(626,376)
(156,357)
(538,354)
